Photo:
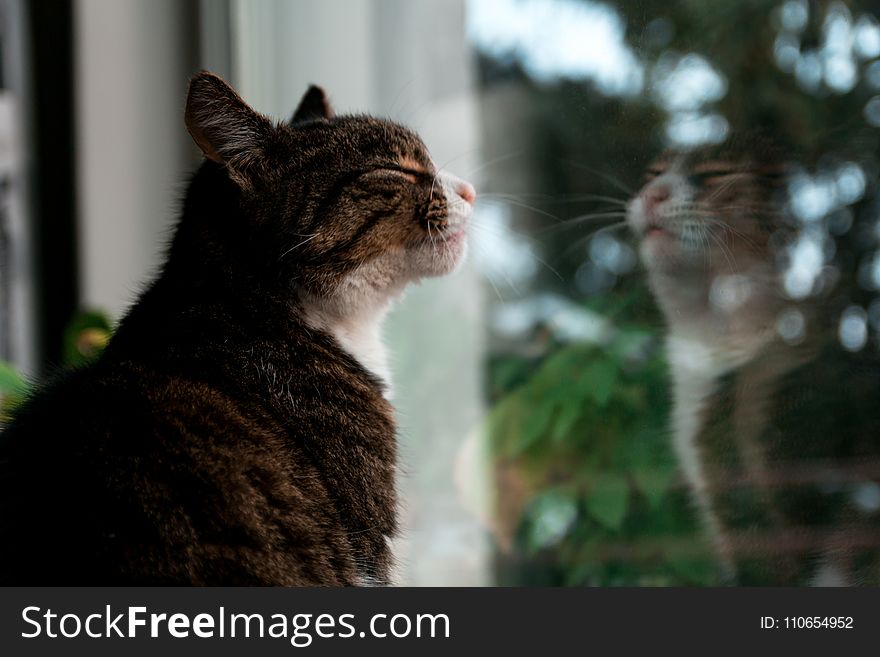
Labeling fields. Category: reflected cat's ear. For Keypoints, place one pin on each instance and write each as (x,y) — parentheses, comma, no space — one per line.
(314,106)
(224,127)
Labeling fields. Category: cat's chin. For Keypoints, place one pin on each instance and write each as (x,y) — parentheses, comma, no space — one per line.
(658,253)
(442,256)
(663,253)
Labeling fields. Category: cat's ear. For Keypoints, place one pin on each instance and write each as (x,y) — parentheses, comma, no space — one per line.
(313,107)
(224,127)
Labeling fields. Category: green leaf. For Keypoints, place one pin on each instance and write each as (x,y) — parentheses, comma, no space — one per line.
(505,424)
(11,382)
(534,426)
(599,378)
(696,571)
(581,573)
(607,500)
(566,419)
(556,372)
(653,483)
(630,343)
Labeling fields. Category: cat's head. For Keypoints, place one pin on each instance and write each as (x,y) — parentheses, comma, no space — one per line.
(709,211)
(334,203)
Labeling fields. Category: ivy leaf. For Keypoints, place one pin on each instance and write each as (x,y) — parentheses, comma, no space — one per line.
(607,500)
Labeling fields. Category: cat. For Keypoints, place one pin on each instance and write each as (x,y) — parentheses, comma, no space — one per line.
(237,429)
(776,432)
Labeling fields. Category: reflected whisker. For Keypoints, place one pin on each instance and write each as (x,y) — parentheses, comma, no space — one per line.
(574,198)
(605,176)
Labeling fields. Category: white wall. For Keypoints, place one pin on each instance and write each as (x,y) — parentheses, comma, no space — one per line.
(17,330)
(280,47)
(133,61)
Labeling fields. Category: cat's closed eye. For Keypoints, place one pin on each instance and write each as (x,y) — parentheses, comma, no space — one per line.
(387,184)
(712,174)
(411,175)
(654,171)
(710,178)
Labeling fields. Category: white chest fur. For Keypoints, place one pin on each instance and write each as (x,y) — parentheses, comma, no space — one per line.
(697,365)
(364,342)
(695,370)
(359,332)
(695,373)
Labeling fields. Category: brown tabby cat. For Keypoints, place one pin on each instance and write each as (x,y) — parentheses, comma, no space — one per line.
(776,432)
(237,429)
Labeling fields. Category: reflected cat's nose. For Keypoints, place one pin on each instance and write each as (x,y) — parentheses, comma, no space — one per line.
(654,196)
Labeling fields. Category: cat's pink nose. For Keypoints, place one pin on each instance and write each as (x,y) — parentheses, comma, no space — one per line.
(466,191)
(654,196)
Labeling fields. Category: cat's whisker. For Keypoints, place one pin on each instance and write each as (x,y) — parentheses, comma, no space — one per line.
(502,200)
(589,236)
(445,164)
(729,182)
(615,226)
(748,240)
(410,118)
(488,275)
(604,214)
(458,202)
(494,233)
(293,248)
(507,280)
(714,219)
(399,98)
(725,250)
(592,218)
(502,233)
(497,160)
(574,198)
(495,287)
(478,247)
(431,238)
(604,176)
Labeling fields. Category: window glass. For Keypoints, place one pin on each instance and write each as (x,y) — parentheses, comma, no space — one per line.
(679,229)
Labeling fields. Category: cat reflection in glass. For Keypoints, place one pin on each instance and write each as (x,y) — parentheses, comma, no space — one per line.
(774,422)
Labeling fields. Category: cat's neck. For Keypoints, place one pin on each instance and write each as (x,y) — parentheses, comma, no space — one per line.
(730,315)
(354,317)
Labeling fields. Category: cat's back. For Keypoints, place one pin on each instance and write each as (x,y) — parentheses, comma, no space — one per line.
(123,473)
